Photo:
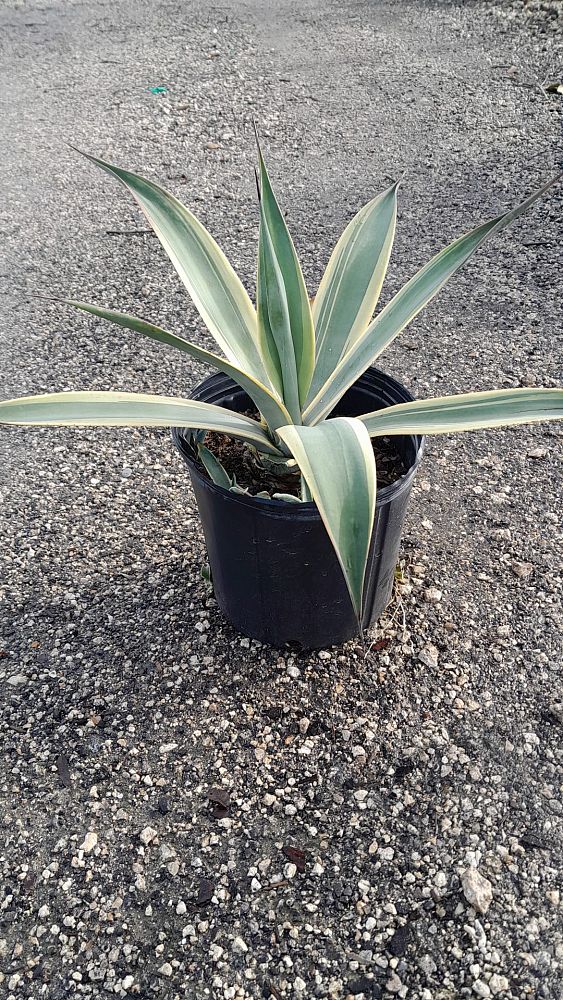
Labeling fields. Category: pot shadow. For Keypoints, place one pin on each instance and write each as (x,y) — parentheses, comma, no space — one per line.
(131,654)
(134,632)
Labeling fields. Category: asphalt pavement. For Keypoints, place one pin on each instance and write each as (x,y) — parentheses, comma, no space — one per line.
(363,794)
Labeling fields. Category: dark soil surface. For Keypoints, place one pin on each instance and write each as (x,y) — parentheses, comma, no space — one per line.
(239,461)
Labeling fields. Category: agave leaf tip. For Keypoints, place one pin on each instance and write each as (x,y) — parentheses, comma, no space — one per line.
(258,191)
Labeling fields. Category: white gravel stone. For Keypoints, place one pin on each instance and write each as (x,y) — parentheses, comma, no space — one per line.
(498,984)
(127,983)
(147,835)
(481,989)
(429,655)
(17,680)
(89,843)
(240,945)
(393,984)
(427,965)
(477,889)
(166,969)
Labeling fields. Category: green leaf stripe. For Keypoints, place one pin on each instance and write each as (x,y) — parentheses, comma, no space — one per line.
(271,408)
(405,306)
(132,409)
(215,289)
(466,412)
(336,459)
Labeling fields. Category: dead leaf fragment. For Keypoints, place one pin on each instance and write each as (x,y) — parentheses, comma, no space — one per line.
(379,645)
(205,892)
(63,771)
(221,802)
(297,857)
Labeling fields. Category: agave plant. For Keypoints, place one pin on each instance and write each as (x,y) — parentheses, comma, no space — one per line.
(296,358)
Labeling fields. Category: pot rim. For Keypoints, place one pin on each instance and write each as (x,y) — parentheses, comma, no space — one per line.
(306,508)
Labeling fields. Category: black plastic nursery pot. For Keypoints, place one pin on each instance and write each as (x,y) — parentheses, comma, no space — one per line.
(275,574)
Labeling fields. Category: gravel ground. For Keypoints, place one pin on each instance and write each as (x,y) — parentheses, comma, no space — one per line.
(387,826)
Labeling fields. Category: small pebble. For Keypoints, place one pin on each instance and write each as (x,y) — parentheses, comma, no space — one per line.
(522,569)
(477,890)
(89,843)
(147,835)
(17,680)
(481,989)
(498,984)
(429,655)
